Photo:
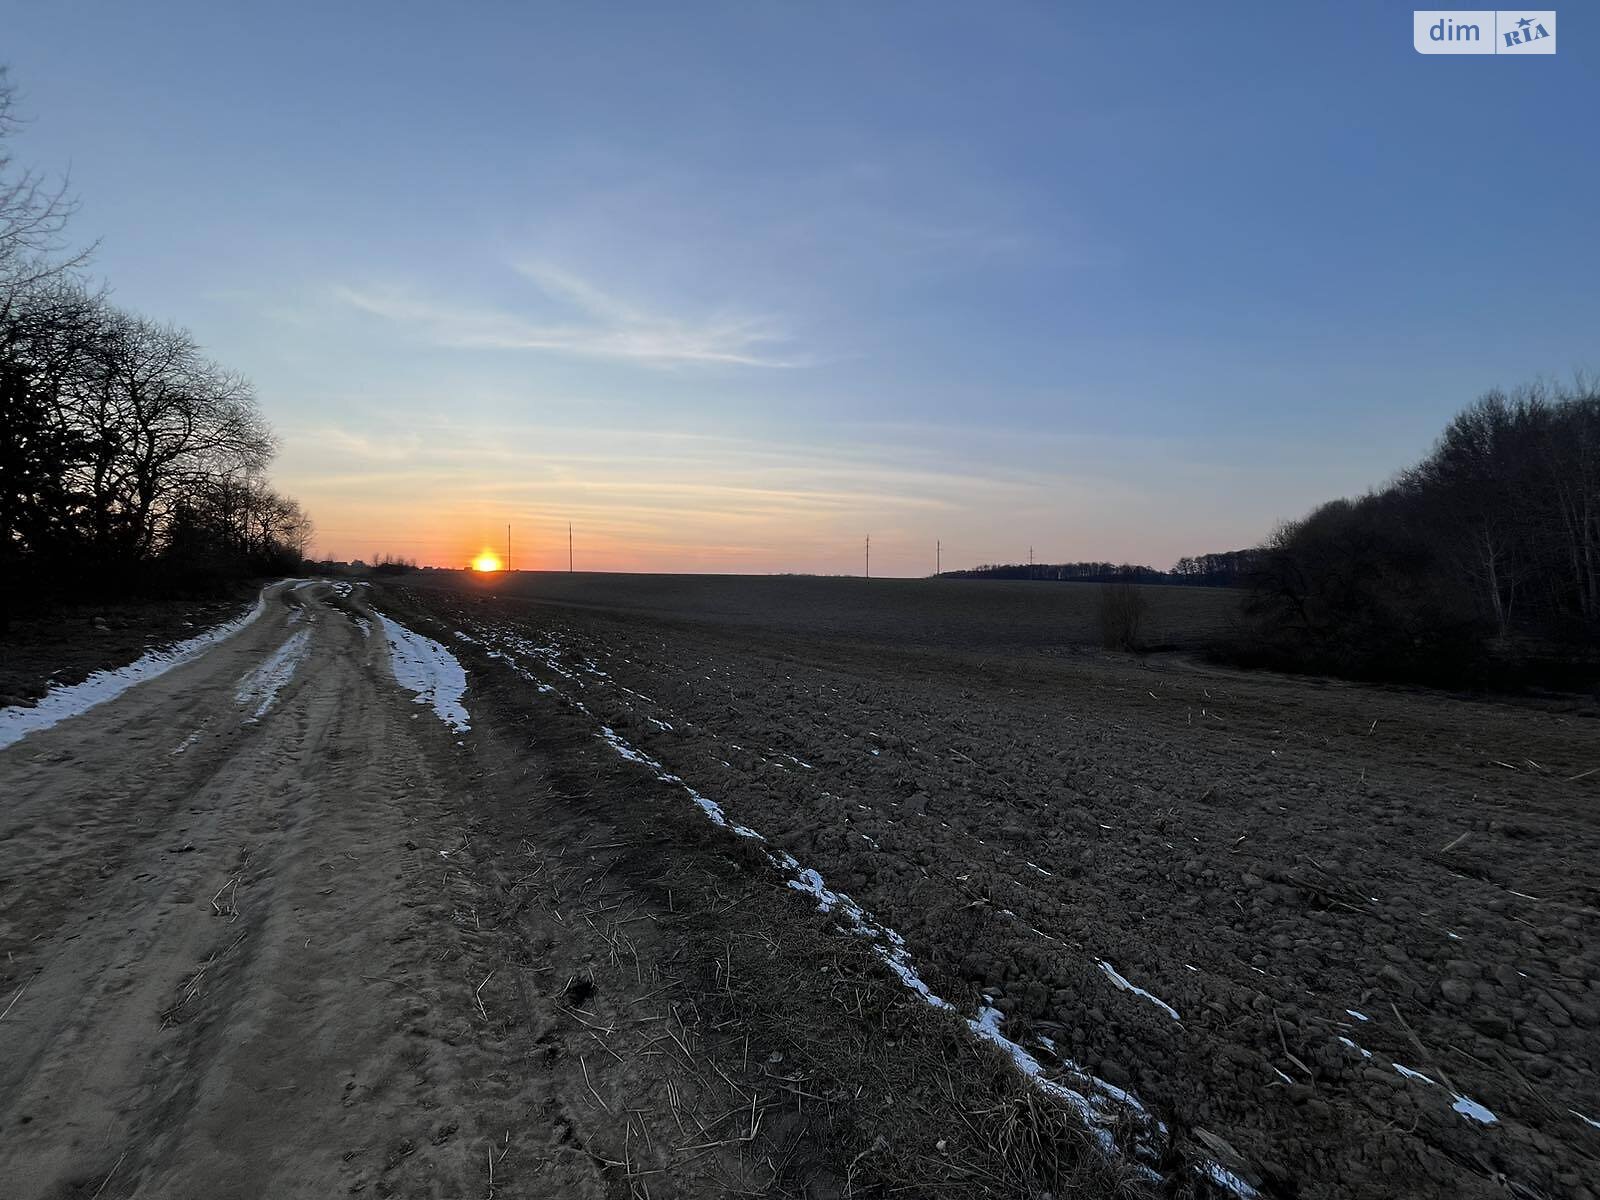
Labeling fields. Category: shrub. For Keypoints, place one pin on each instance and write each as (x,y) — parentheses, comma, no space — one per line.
(1121,610)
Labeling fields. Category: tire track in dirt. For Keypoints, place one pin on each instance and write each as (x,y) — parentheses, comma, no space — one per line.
(279,963)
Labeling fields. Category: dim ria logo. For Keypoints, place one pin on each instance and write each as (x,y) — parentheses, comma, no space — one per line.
(1484,31)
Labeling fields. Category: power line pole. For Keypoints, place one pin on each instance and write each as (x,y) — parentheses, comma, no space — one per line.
(1030,562)
(569,547)
(938,558)
(869,556)
(508,546)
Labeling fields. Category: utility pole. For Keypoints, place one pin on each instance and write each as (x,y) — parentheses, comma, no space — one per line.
(1030,562)
(938,558)
(869,556)
(569,547)
(508,546)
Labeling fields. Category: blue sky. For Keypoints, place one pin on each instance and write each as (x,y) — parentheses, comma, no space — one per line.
(731,286)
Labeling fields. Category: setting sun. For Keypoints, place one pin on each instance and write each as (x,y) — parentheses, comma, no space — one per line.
(487,561)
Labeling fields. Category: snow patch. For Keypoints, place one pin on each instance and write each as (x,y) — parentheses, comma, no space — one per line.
(1410,1074)
(1465,1105)
(260,686)
(1122,983)
(61,703)
(986,1025)
(1222,1177)
(1364,1052)
(421,665)
(711,809)
(809,882)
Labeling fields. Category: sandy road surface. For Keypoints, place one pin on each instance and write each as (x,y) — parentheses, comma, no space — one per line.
(248,947)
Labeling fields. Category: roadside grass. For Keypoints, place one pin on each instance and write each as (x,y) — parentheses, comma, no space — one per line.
(909,1101)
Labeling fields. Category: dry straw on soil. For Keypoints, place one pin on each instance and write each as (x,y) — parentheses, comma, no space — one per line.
(912,1103)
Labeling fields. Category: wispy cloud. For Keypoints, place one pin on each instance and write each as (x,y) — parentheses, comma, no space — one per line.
(776,500)
(593,322)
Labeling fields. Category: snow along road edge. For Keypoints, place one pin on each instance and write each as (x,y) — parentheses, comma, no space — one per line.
(73,700)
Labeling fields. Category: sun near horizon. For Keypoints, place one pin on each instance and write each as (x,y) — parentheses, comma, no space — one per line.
(487,561)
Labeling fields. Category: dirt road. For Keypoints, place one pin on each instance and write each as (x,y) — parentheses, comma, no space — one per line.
(481,896)
(252,943)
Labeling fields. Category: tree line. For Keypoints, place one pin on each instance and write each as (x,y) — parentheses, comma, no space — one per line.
(1233,568)
(129,460)
(1479,564)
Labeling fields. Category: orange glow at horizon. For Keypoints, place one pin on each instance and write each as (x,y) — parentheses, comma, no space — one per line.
(488,560)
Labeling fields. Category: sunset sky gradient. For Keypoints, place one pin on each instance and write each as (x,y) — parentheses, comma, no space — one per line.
(729,287)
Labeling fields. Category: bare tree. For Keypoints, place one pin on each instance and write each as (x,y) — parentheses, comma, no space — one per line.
(34,213)
(126,454)
(159,421)
(1477,563)
(1569,449)
(1121,611)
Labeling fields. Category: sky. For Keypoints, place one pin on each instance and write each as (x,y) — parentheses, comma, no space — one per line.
(731,287)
